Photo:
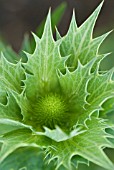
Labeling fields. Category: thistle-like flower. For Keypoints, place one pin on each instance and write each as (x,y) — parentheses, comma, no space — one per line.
(51,105)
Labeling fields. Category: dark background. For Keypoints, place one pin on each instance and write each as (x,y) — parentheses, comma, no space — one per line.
(20,16)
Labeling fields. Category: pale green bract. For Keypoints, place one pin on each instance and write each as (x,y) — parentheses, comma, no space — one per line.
(50,105)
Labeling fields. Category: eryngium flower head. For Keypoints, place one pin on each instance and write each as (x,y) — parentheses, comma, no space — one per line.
(52,102)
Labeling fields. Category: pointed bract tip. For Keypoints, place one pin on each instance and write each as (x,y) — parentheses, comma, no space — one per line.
(48,27)
(79,64)
(36,38)
(101,4)
(58,36)
(49,14)
(110,31)
(107,34)
(73,24)
(48,19)
(98,9)
(73,14)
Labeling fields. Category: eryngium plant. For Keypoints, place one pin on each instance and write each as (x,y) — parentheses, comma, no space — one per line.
(53,102)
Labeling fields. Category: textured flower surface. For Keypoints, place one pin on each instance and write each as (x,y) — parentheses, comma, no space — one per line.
(55,105)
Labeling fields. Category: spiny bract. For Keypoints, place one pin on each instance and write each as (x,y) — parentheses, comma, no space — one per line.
(51,104)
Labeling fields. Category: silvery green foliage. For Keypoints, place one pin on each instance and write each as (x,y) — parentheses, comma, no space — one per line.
(51,103)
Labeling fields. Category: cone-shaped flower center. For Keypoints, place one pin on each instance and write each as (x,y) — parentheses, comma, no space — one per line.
(51,105)
(51,110)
